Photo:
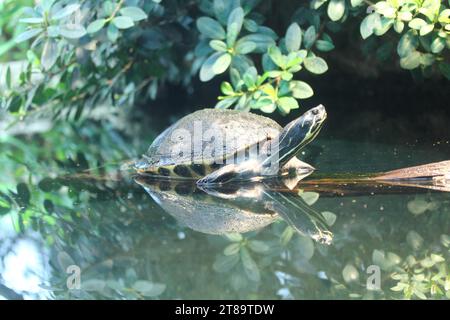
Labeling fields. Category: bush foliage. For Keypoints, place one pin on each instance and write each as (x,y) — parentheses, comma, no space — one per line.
(81,54)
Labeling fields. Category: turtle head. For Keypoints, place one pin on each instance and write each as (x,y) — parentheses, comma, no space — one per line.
(142,164)
(300,132)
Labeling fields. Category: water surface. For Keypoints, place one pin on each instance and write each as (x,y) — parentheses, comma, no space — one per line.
(65,207)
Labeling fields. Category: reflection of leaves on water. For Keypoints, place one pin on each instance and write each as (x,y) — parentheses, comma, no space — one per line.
(309,197)
(420,205)
(239,251)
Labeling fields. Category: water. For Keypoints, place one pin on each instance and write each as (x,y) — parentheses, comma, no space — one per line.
(69,216)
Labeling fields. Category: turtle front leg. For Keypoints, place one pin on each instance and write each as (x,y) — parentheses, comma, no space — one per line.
(247,171)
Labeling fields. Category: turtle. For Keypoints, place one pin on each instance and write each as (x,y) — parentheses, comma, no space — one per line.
(216,146)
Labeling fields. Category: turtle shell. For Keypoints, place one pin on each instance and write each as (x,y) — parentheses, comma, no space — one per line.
(209,136)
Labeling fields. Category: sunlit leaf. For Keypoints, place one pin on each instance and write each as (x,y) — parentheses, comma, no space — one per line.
(96,26)
(135,13)
(315,65)
(336,9)
(293,37)
(210,28)
(66,11)
(49,54)
(234,25)
(24,36)
(148,288)
(250,266)
(123,22)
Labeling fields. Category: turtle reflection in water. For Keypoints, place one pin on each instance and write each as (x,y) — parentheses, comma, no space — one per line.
(234,207)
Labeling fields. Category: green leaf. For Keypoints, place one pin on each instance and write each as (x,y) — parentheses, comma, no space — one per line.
(417,23)
(266,105)
(378,258)
(108,7)
(316,4)
(49,54)
(54,31)
(23,194)
(234,237)
(426,29)
(293,37)
(310,37)
(301,90)
(336,9)
(222,9)
(356,3)
(408,43)
(218,45)
(262,41)
(411,61)
(33,20)
(444,67)
(210,28)
(250,25)
(286,236)
(399,26)
(225,263)
(66,11)
(315,65)
(414,240)
(135,13)
(222,63)
(385,9)
(232,249)
(245,46)
(112,32)
(234,25)
(24,36)
(404,15)
(309,197)
(250,267)
(225,103)
(15,104)
(329,217)
(350,273)
(73,31)
(384,26)
(46,4)
(276,56)
(249,80)
(96,26)
(149,289)
(235,77)
(427,59)
(123,22)
(286,104)
(8,79)
(258,246)
(209,68)
(324,45)
(437,45)
(226,88)
(368,25)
